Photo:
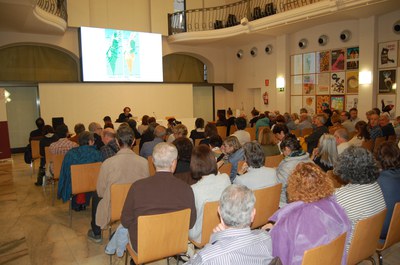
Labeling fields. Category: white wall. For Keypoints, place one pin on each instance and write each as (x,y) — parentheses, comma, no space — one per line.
(90,102)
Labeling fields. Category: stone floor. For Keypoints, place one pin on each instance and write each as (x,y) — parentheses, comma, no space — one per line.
(32,231)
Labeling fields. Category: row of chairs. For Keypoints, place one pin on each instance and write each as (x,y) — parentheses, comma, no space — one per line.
(222,131)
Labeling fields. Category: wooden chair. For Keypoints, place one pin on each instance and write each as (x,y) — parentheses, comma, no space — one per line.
(222,132)
(210,220)
(267,203)
(35,152)
(296,132)
(160,236)
(83,179)
(48,157)
(365,238)
(336,180)
(197,141)
(152,168)
(330,253)
(232,129)
(352,134)
(306,131)
(252,132)
(225,168)
(56,162)
(273,161)
(377,143)
(393,235)
(136,147)
(369,144)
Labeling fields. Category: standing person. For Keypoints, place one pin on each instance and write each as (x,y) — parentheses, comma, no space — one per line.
(125,115)
(161,193)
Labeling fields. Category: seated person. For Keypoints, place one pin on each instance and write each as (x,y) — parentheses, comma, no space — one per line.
(257,176)
(178,131)
(78,128)
(325,155)
(312,140)
(108,122)
(242,135)
(233,153)
(375,130)
(97,131)
(269,142)
(38,133)
(159,137)
(280,131)
(145,123)
(185,148)
(148,134)
(63,144)
(233,242)
(48,138)
(342,138)
(386,126)
(230,121)
(362,134)
(209,130)
(209,187)
(125,115)
(110,147)
(198,132)
(311,219)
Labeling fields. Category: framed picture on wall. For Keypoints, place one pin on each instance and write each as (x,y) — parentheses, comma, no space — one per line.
(320,100)
(322,84)
(296,103)
(337,102)
(337,60)
(351,102)
(309,104)
(297,85)
(323,59)
(387,54)
(309,84)
(338,83)
(352,55)
(309,63)
(297,64)
(352,82)
(386,80)
(387,103)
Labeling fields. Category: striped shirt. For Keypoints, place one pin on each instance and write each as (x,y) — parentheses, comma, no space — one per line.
(236,247)
(360,201)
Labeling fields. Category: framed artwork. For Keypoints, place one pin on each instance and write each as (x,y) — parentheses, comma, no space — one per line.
(352,55)
(386,80)
(387,54)
(387,103)
(337,102)
(338,83)
(322,83)
(320,100)
(351,101)
(309,84)
(296,103)
(309,63)
(352,82)
(297,64)
(297,85)
(337,60)
(323,59)
(309,104)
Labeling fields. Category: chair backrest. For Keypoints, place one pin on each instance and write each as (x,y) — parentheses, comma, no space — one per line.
(152,168)
(222,132)
(84,177)
(296,132)
(267,203)
(136,147)
(330,253)
(197,141)
(226,168)
(47,155)
(210,220)
(252,132)
(393,235)
(336,180)
(369,144)
(365,238)
(35,149)
(232,129)
(352,134)
(306,131)
(117,199)
(273,161)
(57,163)
(162,235)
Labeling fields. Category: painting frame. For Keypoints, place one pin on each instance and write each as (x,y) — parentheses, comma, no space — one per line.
(388,54)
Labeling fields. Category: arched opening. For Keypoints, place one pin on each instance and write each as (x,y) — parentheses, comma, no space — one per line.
(182,68)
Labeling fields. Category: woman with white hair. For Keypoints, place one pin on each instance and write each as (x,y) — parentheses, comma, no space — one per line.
(325,155)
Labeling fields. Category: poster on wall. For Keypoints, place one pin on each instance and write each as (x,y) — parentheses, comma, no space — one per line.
(337,60)
(352,82)
(297,64)
(309,63)
(308,84)
(387,103)
(309,104)
(296,103)
(337,102)
(297,85)
(322,84)
(320,100)
(351,101)
(352,55)
(338,83)
(387,54)
(323,59)
(387,78)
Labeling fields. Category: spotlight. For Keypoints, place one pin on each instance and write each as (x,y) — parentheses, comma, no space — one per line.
(323,40)
(345,35)
(253,51)
(239,54)
(396,27)
(303,43)
(268,49)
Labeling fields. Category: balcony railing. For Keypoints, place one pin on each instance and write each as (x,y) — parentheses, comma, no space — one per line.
(229,15)
(55,7)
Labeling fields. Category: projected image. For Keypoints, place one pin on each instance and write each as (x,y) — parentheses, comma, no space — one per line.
(119,55)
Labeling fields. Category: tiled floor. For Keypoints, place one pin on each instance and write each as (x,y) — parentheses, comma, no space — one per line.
(32,231)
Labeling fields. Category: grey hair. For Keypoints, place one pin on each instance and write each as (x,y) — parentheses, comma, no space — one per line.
(342,133)
(85,137)
(93,126)
(236,206)
(164,155)
(327,150)
(321,117)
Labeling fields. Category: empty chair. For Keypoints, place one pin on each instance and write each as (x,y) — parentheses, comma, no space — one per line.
(365,238)
(160,236)
(273,161)
(393,235)
(330,253)
(210,220)
(267,203)
(117,200)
